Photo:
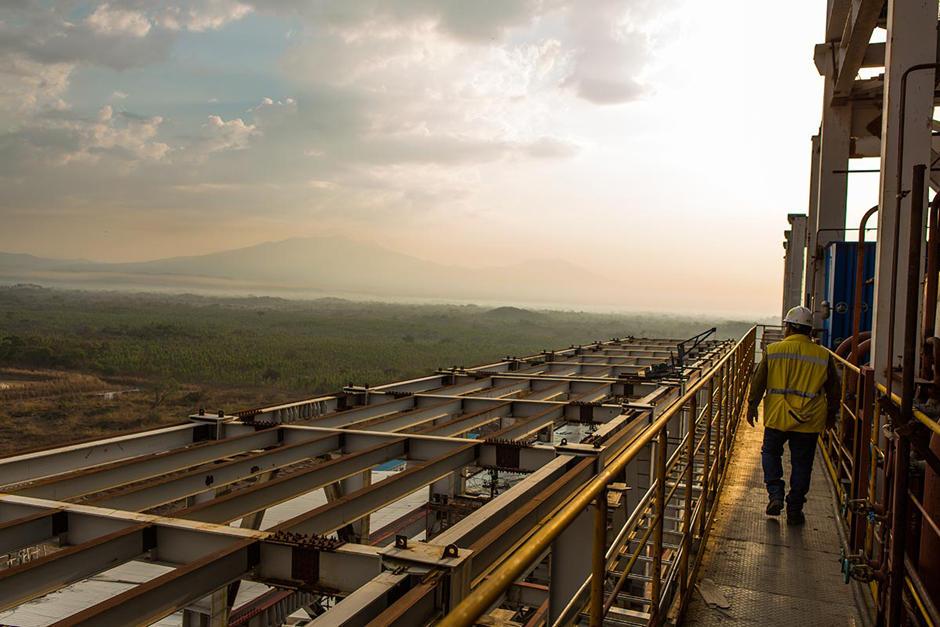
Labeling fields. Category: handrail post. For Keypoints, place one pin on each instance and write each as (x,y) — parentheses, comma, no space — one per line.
(659,499)
(598,562)
(705,495)
(488,592)
(719,437)
(724,417)
(687,508)
(864,404)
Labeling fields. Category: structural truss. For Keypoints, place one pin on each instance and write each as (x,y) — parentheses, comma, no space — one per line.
(482,443)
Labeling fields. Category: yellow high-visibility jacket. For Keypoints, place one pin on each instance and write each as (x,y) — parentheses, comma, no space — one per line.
(799,377)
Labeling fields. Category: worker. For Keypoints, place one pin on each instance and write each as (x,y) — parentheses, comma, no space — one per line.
(801,384)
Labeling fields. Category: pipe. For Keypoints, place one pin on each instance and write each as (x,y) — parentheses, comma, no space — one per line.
(860,279)
(659,498)
(899,506)
(892,313)
(489,591)
(928,564)
(930,365)
(861,350)
(933,269)
(844,349)
(598,560)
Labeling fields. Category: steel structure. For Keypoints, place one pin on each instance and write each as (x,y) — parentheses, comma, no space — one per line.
(193,496)
(607,528)
(879,62)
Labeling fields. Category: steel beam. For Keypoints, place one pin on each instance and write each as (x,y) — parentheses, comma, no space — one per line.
(51,572)
(39,464)
(239,503)
(355,505)
(829,225)
(149,602)
(213,555)
(215,476)
(367,602)
(859,25)
(85,481)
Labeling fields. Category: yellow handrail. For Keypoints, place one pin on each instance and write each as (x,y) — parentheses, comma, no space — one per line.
(845,362)
(489,592)
(921,417)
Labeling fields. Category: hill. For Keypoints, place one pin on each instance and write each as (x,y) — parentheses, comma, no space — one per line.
(323,265)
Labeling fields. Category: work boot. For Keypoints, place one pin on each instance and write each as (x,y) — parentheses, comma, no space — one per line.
(795,519)
(774,507)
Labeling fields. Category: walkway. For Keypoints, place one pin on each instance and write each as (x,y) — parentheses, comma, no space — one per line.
(769,573)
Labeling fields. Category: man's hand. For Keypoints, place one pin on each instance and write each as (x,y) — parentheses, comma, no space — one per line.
(751,414)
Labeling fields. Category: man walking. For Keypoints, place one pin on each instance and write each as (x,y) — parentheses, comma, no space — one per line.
(802,398)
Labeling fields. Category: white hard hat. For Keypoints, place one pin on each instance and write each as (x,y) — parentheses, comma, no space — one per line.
(799,315)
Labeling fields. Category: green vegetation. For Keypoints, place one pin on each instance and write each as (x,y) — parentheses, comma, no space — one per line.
(178,353)
(302,346)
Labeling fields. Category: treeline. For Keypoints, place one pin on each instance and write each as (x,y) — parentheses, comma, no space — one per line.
(302,346)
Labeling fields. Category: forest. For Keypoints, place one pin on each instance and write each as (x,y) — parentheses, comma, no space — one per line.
(94,362)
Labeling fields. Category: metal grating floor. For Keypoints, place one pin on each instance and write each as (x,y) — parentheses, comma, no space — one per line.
(772,574)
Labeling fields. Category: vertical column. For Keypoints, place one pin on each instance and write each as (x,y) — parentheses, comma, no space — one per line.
(659,509)
(705,495)
(351,484)
(834,146)
(795,247)
(811,221)
(570,563)
(689,480)
(911,41)
(599,560)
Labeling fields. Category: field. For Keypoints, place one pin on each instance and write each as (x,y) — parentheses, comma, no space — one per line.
(80,364)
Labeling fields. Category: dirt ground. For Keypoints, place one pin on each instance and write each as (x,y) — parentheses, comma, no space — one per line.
(44,408)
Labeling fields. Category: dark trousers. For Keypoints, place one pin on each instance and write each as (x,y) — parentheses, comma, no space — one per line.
(802,452)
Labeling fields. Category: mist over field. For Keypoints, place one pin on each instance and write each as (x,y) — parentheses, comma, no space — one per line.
(316,267)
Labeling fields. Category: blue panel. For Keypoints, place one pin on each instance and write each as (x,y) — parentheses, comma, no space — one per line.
(839,266)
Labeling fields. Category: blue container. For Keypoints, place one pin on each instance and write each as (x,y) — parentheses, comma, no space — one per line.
(839,290)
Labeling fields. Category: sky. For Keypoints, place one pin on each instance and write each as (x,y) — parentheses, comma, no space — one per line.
(657,144)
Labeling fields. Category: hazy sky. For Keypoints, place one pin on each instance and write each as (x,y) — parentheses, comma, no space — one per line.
(658,143)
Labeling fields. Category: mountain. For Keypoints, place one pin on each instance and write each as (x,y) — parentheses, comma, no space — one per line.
(21,261)
(324,265)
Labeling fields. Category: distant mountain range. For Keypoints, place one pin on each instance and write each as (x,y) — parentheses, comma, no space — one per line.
(318,266)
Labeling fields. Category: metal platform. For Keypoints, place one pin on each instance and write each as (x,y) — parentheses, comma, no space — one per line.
(772,574)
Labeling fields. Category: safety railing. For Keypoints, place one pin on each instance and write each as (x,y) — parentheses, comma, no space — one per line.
(686,482)
(878,463)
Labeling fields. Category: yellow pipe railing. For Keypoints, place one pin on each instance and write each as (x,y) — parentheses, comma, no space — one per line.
(488,593)
(866,403)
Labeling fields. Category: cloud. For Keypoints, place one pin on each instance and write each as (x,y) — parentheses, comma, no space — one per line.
(63,138)
(199,15)
(374,107)
(478,21)
(610,51)
(223,135)
(111,21)
(29,86)
(550,148)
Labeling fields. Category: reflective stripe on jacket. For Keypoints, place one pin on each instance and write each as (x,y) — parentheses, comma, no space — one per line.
(796,373)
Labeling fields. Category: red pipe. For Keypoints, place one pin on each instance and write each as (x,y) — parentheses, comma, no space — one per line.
(851,342)
(929,361)
(860,351)
(929,564)
(930,364)
(860,279)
